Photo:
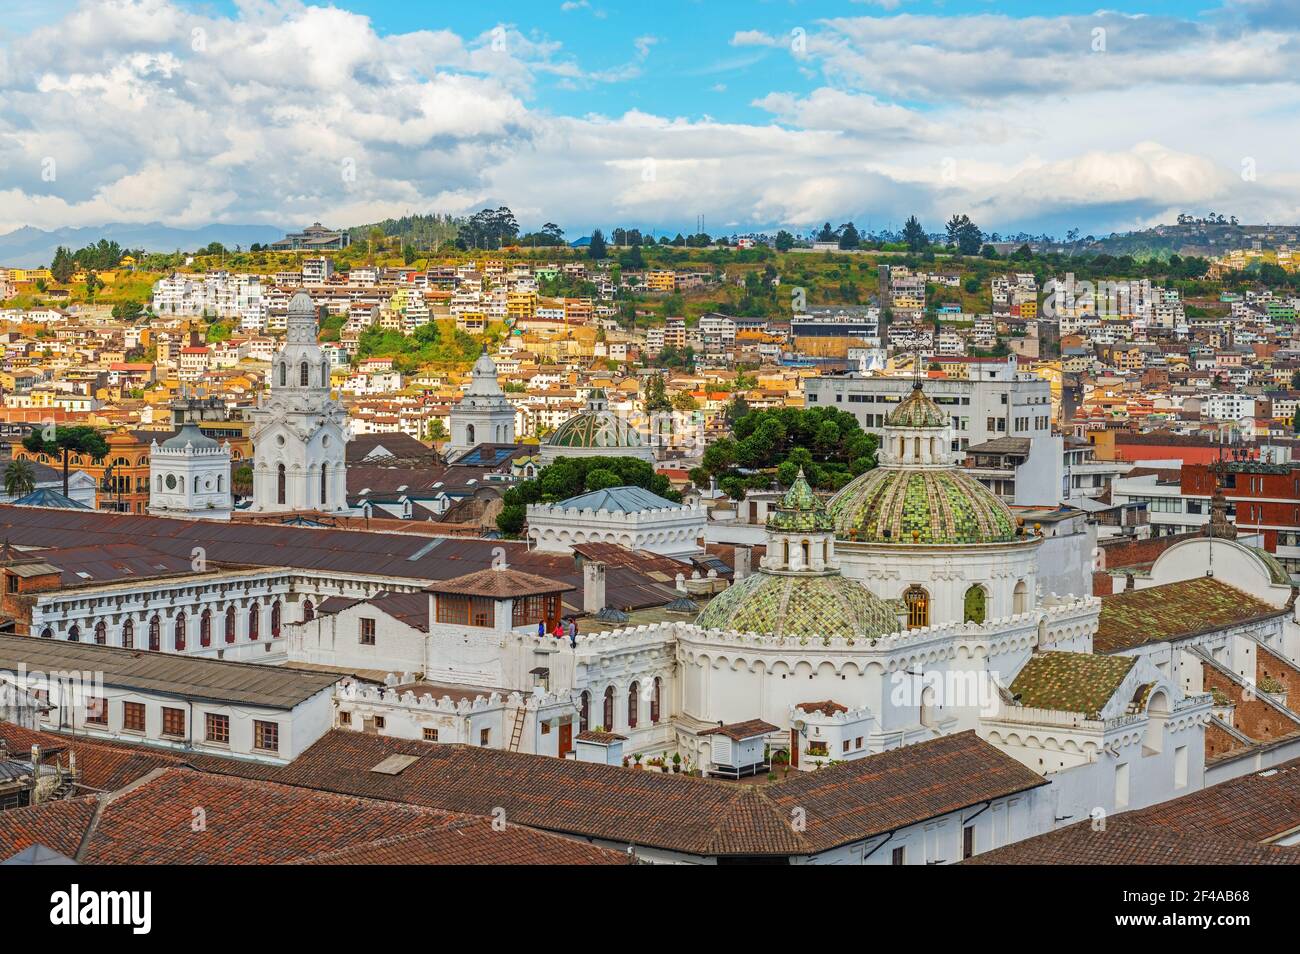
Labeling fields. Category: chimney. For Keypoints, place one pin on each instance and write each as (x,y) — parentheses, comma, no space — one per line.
(593,586)
(744,556)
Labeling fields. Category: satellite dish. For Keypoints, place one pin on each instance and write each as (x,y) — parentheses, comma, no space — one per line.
(801,725)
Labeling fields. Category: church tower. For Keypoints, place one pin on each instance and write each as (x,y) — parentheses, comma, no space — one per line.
(299,431)
(483,415)
(189,477)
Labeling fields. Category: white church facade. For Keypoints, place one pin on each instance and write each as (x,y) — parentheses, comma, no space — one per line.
(299,431)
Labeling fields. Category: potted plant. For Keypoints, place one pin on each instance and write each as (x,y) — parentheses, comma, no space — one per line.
(677,761)
(636,759)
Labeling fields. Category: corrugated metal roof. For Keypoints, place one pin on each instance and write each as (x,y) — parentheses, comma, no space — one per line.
(186,677)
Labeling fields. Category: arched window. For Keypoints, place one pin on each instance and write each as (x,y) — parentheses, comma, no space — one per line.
(324,484)
(230,624)
(254,618)
(308,611)
(807,554)
(275,620)
(284,374)
(609,709)
(917,601)
(975,605)
(128,634)
(1020,599)
(654,701)
(302,374)
(101,632)
(47,633)
(633,703)
(155,634)
(584,711)
(469,434)
(74,634)
(279,484)
(179,635)
(325,374)
(205,628)
(785,554)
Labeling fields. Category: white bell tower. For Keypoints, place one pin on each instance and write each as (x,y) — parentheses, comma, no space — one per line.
(299,431)
(484,415)
(189,477)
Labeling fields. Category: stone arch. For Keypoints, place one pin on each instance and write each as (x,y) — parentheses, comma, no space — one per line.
(975,604)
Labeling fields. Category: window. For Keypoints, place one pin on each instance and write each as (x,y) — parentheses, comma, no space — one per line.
(484,736)
(230,624)
(1020,599)
(266,736)
(155,634)
(308,611)
(345,718)
(97,711)
(128,634)
(275,620)
(101,632)
(968,842)
(584,711)
(216,728)
(380,722)
(254,619)
(279,484)
(179,636)
(324,485)
(899,857)
(430,735)
(608,712)
(74,634)
(173,723)
(654,702)
(302,374)
(367,632)
(205,628)
(917,601)
(465,610)
(633,694)
(11,582)
(133,717)
(975,605)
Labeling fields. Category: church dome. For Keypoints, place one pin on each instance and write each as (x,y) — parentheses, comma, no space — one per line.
(905,506)
(597,426)
(799,510)
(917,410)
(797,605)
(189,434)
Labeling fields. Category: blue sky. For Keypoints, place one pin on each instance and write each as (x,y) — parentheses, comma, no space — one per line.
(1027,116)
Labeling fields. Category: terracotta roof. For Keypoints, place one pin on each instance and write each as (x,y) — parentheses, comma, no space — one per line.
(825,707)
(499,584)
(738,731)
(258,822)
(600,738)
(1070,682)
(1174,611)
(844,803)
(1125,842)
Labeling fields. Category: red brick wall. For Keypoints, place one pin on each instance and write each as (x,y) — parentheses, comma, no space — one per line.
(1270,664)
(1256,719)
(1218,742)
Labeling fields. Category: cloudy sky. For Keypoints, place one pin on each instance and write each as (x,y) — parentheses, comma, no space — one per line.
(754,115)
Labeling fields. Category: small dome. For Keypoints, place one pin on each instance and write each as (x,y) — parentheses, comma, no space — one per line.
(800,510)
(904,506)
(917,410)
(596,427)
(799,605)
(189,434)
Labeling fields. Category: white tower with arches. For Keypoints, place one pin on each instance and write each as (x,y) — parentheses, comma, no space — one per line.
(189,477)
(300,431)
(484,415)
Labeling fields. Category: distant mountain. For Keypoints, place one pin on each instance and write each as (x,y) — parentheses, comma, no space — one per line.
(29,247)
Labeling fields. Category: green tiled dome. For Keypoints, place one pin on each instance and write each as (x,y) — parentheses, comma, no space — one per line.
(889,505)
(593,428)
(798,605)
(917,410)
(800,510)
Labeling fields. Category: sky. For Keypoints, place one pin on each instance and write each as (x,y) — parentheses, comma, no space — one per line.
(747,116)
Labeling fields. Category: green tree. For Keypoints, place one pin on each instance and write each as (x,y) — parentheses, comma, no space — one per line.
(20,478)
(914,235)
(849,237)
(597,249)
(62,266)
(784,241)
(66,441)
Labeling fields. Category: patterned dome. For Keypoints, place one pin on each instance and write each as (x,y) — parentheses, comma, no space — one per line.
(917,410)
(797,605)
(601,429)
(800,510)
(891,505)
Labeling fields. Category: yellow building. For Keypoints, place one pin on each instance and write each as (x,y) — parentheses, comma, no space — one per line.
(521,305)
(661,281)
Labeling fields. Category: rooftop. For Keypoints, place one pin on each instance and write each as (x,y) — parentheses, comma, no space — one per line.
(1071,682)
(170,674)
(1174,611)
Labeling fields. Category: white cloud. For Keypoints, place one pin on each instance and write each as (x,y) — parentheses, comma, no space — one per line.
(153,112)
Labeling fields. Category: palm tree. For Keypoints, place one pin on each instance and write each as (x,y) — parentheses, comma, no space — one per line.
(20,478)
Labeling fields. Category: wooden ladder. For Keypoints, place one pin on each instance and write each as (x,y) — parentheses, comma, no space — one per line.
(518,732)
